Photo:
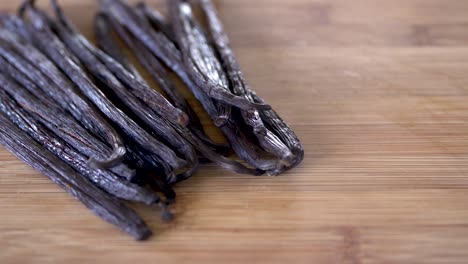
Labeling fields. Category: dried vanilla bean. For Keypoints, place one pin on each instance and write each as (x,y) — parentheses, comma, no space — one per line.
(107,43)
(121,169)
(102,178)
(160,75)
(158,44)
(23,74)
(268,140)
(80,45)
(60,123)
(167,52)
(86,52)
(14,24)
(146,94)
(200,59)
(24,80)
(242,145)
(204,151)
(171,57)
(222,45)
(230,164)
(215,157)
(101,72)
(53,83)
(60,97)
(56,51)
(100,203)
(283,131)
(103,29)
(288,149)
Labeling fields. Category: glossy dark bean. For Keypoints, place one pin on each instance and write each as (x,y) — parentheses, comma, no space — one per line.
(160,75)
(100,71)
(101,65)
(283,131)
(106,42)
(267,139)
(198,55)
(199,145)
(169,54)
(165,50)
(58,53)
(222,46)
(59,122)
(100,203)
(106,180)
(51,81)
(66,100)
(156,20)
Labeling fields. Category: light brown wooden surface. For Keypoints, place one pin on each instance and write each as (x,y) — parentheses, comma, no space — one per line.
(376,90)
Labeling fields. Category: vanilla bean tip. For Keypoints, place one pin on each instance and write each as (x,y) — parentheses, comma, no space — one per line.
(142,233)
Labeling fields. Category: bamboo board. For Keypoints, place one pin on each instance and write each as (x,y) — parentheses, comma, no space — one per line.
(378,93)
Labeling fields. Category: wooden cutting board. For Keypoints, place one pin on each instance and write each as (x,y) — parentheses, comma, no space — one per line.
(378,93)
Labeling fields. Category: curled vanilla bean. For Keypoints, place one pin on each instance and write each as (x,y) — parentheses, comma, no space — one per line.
(267,139)
(283,131)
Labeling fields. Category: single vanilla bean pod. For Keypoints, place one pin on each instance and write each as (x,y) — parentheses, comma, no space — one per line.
(199,57)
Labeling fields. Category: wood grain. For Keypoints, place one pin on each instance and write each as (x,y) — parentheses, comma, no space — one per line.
(376,90)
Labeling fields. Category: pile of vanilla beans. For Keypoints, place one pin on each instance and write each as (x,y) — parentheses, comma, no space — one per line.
(83,115)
